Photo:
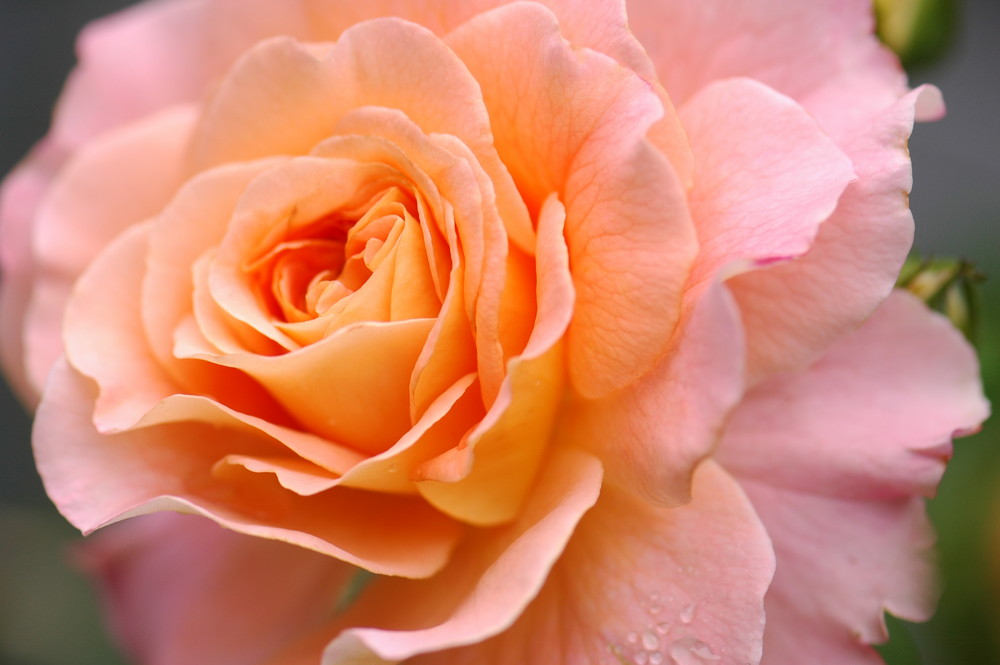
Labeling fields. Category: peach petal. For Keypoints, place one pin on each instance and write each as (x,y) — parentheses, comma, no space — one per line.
(624,202)
(194,222)
(352,387)
(292,473)
(878,410)
(652,434)
(95,479)
(766,176)
(484,480)
(793,311)
(198,574)
(507,564)
(858,558)
(104,337)
(686,583)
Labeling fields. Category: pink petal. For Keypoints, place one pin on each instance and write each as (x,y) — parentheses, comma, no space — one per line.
(489,581)
(766,176)
(180,589)
(676,585)
(873,418)
(795,48)
(652,434)
(856,559)
(113,183)
(794,310)
(627,227)
(22,192)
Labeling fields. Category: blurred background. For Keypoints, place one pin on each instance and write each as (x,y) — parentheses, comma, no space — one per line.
(48,614)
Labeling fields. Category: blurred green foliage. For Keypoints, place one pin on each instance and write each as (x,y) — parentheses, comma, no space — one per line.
(919,31)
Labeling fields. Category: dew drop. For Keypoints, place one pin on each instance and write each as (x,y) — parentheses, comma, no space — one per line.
(663,628)
(641,658)
(656,658)
(687,614)
(655,609)
(703,651)
(633,638)
(650,642)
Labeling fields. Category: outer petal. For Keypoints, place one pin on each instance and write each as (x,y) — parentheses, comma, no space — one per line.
(180,589)
(766,176)
(794,310)
(646,584)
(488,582)
(873,418)
(115,182)
(95,479)
(856,558)
(652,434)
(629,235)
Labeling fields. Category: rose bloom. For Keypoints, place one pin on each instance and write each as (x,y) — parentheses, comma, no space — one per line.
(571,323)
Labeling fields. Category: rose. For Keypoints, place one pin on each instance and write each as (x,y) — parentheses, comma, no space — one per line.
(412,292)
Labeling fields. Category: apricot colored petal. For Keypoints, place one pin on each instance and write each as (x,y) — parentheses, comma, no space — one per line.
(117,181)
(858,558)
(20,196)
(105,339)
(766,176)
(792,47)
(187,231)
(652,434)
(630,238)
(177,590)
(352,386)
(506,565)
(484,480)
(794,310)
(96,479)
(878,411)
(686,583)
(292,473)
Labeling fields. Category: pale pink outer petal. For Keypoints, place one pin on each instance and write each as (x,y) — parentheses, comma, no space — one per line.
(834,459)
(577,126)
(766,176)
(490,579)
(824,55)
(793,310)
(873,418)
(686,583)
(841,563)
(652,434)
(20,196)
(180,589)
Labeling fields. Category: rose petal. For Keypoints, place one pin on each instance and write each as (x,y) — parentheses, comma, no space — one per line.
(507,565)
(686,583)
(766,176)
(176,588)
(878,411)
(624,203)
(857,558)
(95,479)
(484,479)
(794,310)
(652,434)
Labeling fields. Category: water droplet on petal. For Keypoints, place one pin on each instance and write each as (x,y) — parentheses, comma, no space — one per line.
(687,614)
(650,642)
(641,658)
(663,628)
(633,638)
(656,658)
(703,651)
(655,609)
